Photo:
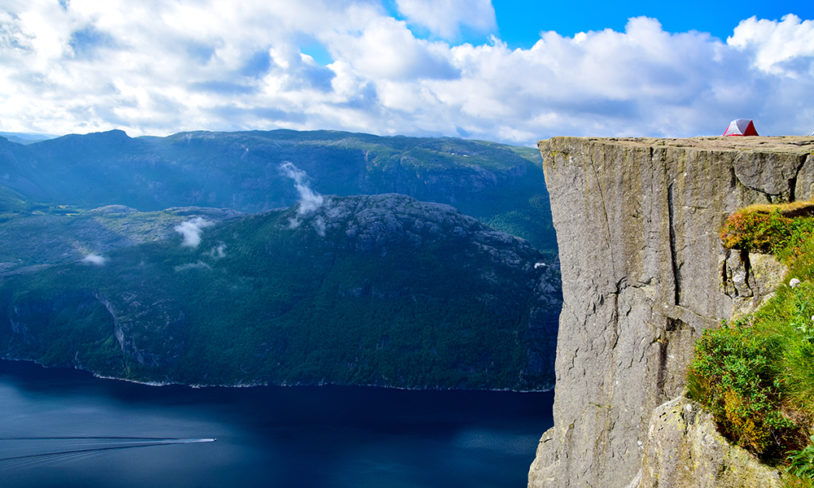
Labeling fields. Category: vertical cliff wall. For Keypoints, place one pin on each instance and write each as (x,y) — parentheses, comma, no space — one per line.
(642,273)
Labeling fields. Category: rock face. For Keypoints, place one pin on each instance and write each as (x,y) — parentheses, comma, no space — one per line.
(683,448)
(750,279)
(642,272)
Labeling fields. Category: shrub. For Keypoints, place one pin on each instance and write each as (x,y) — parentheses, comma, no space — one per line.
(734,374)
(755,231)
(788,315)
(801,462)
(766,229)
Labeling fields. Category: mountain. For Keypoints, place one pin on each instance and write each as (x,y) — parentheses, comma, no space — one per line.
(380,289)
(214,258)
(500,185)
(25,137)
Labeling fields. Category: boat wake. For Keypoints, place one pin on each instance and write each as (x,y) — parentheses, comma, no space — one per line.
(55,448)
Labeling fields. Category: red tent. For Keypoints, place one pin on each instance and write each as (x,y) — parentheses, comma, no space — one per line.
(741,127)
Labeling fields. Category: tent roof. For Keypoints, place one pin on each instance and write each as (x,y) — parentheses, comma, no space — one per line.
(741,127)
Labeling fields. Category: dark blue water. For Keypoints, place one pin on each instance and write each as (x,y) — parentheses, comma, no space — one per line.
(61,428)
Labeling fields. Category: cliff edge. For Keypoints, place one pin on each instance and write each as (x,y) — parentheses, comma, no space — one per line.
(643,275)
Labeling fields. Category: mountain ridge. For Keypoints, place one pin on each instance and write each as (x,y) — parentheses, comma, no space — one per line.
(498,184)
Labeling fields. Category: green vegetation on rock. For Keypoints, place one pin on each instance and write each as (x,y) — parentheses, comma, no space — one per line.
(755,374)
(774,229)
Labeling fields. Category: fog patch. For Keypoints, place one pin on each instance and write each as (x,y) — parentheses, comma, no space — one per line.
(217,252)
(191,230)
(309,200)
(190,266)
(94,259)
(319,225)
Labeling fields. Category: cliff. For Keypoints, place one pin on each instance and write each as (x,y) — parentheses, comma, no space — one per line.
(643,276)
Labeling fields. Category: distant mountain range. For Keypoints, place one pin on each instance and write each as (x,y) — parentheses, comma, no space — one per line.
(211,258)
(497,184)
(25,137)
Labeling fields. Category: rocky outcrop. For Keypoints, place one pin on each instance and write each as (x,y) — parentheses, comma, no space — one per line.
(642,272)
(684,449)
(750,279)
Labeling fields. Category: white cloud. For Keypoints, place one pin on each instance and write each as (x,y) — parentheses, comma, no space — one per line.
(309,199)
(95,259)
(161,67)
(386,49)
(784,48)
(191,231)
(443,17)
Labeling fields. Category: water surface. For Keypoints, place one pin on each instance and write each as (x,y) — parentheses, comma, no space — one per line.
(62,428)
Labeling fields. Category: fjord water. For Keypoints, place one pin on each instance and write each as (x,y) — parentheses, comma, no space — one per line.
(62,428)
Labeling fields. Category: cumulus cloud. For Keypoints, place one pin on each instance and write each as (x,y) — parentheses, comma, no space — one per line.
(191,231)
(782,48)
(94,259)
(443,17)
(387,50)
(160,67)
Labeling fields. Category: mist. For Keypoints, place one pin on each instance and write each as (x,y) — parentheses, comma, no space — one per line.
(191,231)
(309,200)
(94,259)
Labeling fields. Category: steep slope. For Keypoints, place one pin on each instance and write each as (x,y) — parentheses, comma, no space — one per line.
(498,184)
(381,290)
(642,272)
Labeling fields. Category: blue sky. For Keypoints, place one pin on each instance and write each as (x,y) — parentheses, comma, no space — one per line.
(512,71)
(520,21)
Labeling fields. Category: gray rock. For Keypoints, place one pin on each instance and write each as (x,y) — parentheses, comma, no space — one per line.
(771,173)
(683,449)
(637,226)
(805,179)
(750,279)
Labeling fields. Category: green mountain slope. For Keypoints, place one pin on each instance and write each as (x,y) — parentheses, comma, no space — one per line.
(500,185)
(381,290)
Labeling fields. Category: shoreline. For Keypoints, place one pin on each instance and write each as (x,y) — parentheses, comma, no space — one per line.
(159,384)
